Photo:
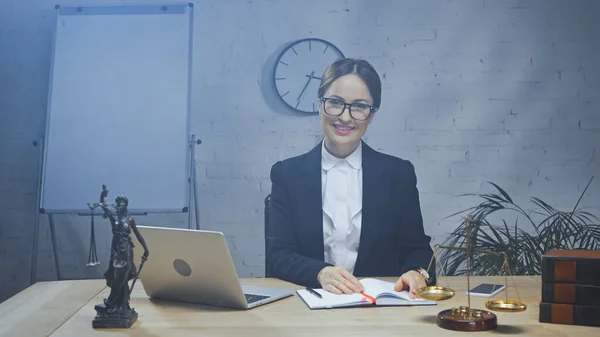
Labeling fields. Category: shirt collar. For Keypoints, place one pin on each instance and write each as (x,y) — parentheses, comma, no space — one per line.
(328,161)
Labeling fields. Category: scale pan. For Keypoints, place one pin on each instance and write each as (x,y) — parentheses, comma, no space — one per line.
(506,306)
(434,293)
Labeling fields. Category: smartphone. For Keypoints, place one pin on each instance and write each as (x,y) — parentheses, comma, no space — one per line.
(486,290)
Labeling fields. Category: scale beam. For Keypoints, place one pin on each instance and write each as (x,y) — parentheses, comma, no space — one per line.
(474,250)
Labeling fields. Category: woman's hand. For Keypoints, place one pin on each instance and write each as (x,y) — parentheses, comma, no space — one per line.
(412,280)
(338,280)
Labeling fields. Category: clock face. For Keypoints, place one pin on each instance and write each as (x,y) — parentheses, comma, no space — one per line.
(298,72)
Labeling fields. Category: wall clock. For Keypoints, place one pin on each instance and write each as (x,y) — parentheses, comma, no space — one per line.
(298,71)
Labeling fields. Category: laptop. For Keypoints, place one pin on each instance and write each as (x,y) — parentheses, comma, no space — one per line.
(195,266)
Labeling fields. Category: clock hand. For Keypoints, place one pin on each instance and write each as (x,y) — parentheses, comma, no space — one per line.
(306,85)
(315,77)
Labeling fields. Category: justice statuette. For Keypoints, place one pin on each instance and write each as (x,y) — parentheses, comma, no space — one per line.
(115,311)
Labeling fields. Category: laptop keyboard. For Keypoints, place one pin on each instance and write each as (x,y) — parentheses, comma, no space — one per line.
(250,298)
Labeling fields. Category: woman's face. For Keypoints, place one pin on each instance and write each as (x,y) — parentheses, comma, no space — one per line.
(343,130)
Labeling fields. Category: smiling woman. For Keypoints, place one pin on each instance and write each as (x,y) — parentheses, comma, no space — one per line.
(344,210)
(351,85)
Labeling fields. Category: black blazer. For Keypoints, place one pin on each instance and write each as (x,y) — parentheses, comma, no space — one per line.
(392,239)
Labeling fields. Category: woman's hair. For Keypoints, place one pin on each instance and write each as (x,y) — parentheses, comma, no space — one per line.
(347,66)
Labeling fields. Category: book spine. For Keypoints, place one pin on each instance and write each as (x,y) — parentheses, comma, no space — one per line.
(572,271)
(569,314)
(570,294)
(547,270)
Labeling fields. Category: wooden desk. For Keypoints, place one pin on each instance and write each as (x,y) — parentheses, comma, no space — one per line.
(66,309)
(43,307)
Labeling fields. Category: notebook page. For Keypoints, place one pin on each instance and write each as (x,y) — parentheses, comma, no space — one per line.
(330,300)
(376,287)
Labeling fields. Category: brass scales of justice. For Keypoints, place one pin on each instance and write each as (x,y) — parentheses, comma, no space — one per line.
(466,318)
(93,255)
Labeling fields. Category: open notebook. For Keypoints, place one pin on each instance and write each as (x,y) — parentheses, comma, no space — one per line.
(383,292)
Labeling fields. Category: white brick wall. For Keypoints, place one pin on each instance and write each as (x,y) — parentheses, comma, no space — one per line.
(498,90)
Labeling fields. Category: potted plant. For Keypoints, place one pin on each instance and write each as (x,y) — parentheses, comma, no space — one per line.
(525,240)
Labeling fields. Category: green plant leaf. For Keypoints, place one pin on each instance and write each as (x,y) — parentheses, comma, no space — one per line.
(504,194)
(573,229)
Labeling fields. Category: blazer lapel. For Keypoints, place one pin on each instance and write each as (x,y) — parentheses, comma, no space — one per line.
(376,191)
(309,195)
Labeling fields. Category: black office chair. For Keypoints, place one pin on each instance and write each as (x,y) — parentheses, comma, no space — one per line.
(267,217)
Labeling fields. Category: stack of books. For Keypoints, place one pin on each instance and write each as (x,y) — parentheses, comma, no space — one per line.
(571,287)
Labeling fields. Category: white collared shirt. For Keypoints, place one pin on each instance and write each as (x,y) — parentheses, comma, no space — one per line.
(341,186)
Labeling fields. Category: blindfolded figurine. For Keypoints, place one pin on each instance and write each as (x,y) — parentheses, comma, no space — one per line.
(116,312)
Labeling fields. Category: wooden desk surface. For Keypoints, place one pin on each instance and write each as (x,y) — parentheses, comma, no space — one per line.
(66,309)
(40,309)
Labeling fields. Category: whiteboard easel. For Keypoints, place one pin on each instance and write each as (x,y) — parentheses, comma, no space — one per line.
(118,112)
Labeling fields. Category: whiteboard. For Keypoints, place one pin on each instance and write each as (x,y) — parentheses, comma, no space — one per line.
(118,108)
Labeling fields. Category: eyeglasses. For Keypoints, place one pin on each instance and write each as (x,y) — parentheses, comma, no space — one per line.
(336,107)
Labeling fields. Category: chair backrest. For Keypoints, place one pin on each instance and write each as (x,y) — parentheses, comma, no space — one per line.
(267,218)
